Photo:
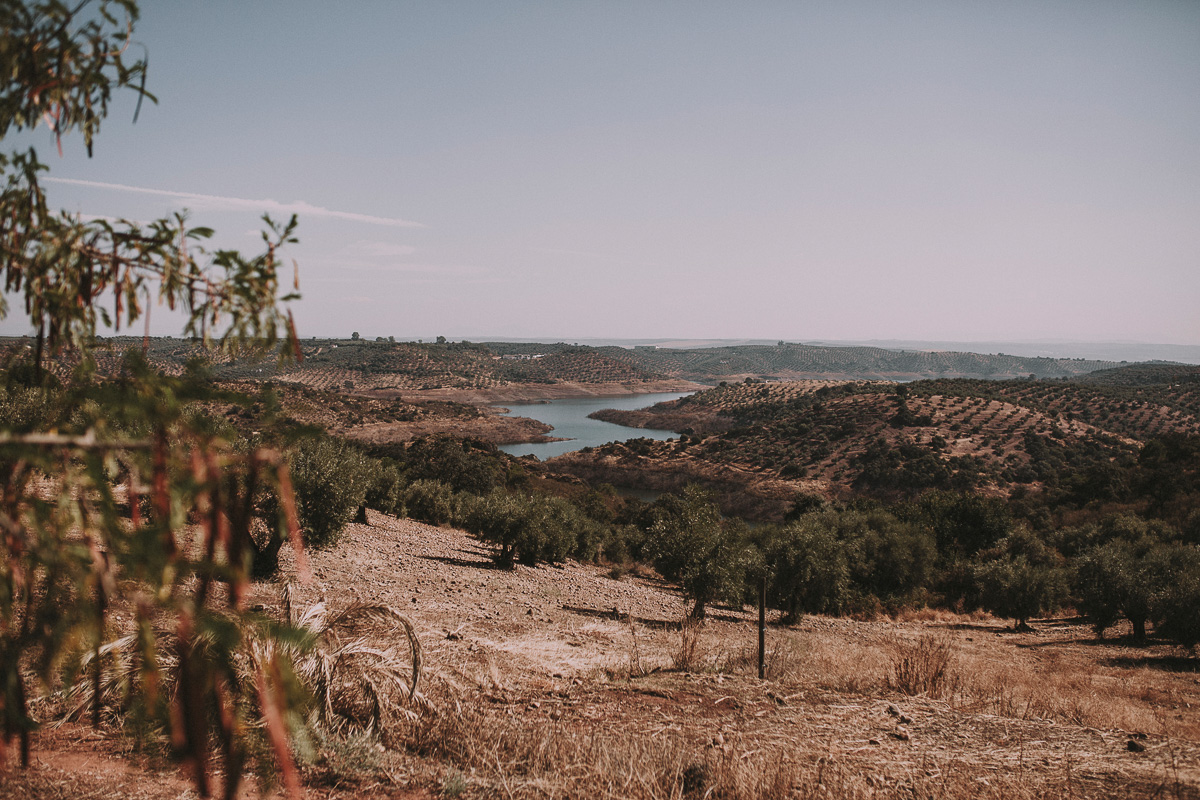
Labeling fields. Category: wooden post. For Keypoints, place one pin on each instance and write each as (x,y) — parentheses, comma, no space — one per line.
(762,628)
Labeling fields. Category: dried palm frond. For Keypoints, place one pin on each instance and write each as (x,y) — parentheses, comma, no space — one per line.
(362,665)
(365,668)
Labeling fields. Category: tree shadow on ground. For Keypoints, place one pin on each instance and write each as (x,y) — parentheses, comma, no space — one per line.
(464,562)
(618,616)
(659,624)
(972,626)
(1163,663)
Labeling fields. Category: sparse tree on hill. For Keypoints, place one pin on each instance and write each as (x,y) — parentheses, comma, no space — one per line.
(1021,578)
(690,543)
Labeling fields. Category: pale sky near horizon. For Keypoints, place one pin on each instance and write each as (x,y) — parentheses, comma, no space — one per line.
(792,170)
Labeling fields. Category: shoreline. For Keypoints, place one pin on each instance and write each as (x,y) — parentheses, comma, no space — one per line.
(531,392)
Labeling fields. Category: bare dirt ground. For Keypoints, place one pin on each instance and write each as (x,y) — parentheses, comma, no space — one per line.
(561,681)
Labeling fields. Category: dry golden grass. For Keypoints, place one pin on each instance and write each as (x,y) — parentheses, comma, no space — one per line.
(563,683)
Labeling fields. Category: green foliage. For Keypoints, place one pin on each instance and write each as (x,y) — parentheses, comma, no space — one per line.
(24,408)
(331,479)
(889,559)
(466,465)
(1117,579)
(810,571)
(1176,610)
(94,528)
(430,501)
(690,543)
(1020,578)
(528,529)
(907,467)
(79,539)
(385,490)
(963,523)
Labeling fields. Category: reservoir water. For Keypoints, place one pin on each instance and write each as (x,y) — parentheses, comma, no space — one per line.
(570,421)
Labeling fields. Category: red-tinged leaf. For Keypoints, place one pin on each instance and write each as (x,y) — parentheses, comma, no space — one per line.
(287,497)
(162,497)
(277,730)
(190,724)
(294,339)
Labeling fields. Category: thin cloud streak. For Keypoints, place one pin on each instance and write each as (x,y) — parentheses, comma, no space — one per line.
(448,271)
(215,201)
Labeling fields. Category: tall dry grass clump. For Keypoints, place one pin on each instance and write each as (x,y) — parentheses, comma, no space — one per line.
(925,665)
(688,655)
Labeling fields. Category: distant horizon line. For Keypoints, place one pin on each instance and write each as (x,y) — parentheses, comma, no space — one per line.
(815,341)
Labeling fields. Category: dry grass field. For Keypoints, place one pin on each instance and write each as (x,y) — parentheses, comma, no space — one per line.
(566,682)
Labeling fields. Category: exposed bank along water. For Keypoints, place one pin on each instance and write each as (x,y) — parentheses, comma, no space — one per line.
(570,421)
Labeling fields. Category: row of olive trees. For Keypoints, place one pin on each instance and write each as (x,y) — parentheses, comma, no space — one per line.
(952,548)
(1142,576)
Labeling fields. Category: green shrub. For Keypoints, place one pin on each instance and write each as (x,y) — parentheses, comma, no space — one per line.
(810,570)
(553,531)
(690,543)
(331,479)
(24,408)
(430,501)
(1020,578)
(1176,606)
(963,523)
(385,490)
(529,529)
(1118,578)
(888,558)
(466,465)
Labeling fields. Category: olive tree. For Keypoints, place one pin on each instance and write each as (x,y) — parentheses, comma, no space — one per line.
(689,542)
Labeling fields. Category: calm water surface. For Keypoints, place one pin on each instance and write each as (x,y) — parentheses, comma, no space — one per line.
(570,420)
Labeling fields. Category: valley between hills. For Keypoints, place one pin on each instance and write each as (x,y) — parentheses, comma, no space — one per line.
(924,550)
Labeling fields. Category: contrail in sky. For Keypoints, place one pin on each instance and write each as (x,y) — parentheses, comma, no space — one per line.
(215,201)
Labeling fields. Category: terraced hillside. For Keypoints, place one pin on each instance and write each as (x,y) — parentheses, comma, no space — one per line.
(363,366)
(360,365)
(792,361)
(387,366)
(888,439)
(368,419)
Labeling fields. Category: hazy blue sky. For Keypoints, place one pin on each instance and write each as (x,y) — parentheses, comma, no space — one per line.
(794,170)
